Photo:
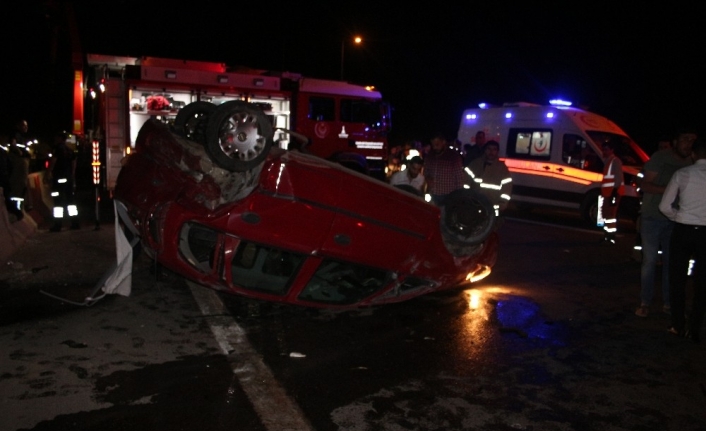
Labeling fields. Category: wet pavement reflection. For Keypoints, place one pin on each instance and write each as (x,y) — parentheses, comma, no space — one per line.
(548,342)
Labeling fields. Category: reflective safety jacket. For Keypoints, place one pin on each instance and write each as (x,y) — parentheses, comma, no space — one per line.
(492,179)
(612,177)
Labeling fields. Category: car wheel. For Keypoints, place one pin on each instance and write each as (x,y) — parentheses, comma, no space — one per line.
(192,119)
(589,207)
(467,217)
(238,136)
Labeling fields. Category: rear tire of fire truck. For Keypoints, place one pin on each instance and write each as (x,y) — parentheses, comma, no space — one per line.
(589,207)
(467,217)
(238,136)
(192,120)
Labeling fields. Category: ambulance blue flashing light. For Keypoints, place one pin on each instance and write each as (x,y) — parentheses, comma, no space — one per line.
(560,102)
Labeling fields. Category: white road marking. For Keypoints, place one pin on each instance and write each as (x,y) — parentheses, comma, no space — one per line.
(276,410)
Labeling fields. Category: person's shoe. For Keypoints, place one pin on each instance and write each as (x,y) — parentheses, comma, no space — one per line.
(693,336)
(667,309)
(674,331)
(55,228)
(642,311)
(75,226)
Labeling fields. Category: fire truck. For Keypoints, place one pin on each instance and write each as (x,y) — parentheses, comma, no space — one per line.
(342,122)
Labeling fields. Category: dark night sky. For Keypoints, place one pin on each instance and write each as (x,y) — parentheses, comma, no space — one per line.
(640,66)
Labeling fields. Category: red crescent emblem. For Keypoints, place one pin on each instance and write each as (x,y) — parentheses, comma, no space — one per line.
(540,148)
(321,130)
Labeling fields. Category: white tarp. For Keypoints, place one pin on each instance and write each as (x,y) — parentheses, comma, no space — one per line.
(120,280)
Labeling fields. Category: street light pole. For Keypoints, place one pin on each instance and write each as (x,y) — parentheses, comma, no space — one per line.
(357,40)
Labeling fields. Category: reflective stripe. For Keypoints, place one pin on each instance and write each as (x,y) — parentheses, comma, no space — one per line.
(491,186)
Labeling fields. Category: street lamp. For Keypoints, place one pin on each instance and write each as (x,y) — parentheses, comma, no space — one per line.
(357,40)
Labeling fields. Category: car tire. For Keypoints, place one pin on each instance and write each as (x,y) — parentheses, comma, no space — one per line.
(589,207)
(467,217)
(192,120)
(238,136)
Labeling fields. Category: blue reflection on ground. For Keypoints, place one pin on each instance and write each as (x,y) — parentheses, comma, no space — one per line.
(523,317)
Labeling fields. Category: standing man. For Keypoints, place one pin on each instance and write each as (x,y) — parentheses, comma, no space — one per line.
(443,169)
(611,190)
(491,177)
(62,175)
(684,202)
(411,176)
(655,227)
(5,171)
(476,150)
(19,160)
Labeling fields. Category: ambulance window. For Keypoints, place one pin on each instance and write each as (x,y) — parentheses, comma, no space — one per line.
(624,147)
(322,109)
(530,144)
(573,148)
(592,161)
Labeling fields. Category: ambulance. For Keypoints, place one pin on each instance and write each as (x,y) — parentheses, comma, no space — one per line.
(554,154)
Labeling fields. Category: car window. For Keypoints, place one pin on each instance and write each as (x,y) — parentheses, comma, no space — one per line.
(263,268)
(343,283)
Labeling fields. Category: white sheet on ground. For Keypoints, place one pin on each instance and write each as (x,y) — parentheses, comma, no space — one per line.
(120,281)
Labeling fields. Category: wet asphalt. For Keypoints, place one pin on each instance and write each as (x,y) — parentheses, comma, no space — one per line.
(548,342)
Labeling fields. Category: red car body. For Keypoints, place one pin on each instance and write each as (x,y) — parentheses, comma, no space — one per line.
(296,229)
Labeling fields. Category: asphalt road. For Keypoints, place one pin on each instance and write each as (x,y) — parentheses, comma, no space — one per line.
(548,342)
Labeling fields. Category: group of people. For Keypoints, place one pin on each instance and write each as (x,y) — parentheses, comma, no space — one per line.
(673,223)
(444,169)
(59,175)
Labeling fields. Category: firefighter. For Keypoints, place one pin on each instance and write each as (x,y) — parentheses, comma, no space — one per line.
(612,188)
(489,175)
(61,175)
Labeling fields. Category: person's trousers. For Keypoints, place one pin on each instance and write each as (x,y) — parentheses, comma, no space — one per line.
(655,236)
(610,216)
(687,241)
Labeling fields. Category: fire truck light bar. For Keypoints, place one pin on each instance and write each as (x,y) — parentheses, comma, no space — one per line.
(369,145)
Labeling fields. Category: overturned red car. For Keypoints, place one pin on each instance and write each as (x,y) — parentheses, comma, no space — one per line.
(237,214)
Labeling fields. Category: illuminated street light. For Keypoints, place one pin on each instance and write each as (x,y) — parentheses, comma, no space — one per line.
(357,40)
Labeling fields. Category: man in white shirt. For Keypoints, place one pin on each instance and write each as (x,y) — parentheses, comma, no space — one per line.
(684,202)
(411,175)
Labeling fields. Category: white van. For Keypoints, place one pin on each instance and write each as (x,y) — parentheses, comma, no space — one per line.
(554,154)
